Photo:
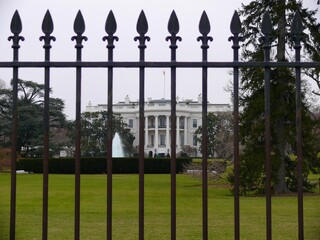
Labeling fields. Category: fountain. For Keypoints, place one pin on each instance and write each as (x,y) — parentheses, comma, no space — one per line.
(117,149)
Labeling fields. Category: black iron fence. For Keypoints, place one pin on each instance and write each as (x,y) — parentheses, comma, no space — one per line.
(173,64)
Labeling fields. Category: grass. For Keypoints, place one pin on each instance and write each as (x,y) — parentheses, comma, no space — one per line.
(157,209)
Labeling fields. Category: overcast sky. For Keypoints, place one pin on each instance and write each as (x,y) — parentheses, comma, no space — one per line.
(94,87)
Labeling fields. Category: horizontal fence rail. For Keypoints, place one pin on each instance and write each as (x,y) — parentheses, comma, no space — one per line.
(173,64)
(150,64)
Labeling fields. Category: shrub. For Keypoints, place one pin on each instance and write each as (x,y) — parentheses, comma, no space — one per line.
(98,165)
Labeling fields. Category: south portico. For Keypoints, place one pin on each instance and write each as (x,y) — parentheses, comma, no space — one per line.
(158,133)
(157,116)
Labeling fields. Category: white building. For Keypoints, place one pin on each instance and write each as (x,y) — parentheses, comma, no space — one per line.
(157,116)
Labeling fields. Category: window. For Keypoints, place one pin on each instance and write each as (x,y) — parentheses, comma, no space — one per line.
(194,123)
(181,123)
(182,139)
(162,139)
(162,122)
(151,123)
(130,123)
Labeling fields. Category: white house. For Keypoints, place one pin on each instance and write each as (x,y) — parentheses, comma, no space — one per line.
(157,116)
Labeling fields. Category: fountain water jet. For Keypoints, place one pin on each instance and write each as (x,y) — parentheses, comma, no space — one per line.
(117,149)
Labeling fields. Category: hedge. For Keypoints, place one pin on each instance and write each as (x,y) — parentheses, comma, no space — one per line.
(97,165)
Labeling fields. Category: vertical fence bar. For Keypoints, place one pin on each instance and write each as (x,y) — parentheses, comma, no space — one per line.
(109,149)
(110,28)
(267,30)
(235,28)
(173,28)
(142,28)
(204,147)
(297,33)
(47,28)
(16,28)
(79,28)
(204,28)
(299,145)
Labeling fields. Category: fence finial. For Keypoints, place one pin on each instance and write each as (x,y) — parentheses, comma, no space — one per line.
(142,24)
(79,25)
(173,24)
(47,29)
(296,26)
(204,28)
(111,24)
(235,28)
(235,25)
(79,28)
(204,24)
(110,28)
(47,23)
(266,29)
(16,25)
(16,28)
(266,25)
(297,29)
(173,28)
(142,29)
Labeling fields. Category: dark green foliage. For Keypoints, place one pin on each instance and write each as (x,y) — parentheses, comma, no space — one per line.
(97,165)
(94,132)
(252,100)
(30,114)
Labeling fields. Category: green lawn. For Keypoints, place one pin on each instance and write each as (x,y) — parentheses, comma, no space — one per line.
(157,209)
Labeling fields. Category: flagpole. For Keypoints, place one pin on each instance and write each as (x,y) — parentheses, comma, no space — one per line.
(164,84)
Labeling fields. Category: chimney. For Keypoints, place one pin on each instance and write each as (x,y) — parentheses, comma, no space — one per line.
(126,100)
(199,98)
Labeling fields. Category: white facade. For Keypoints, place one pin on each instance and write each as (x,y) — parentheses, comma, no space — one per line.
(157,118)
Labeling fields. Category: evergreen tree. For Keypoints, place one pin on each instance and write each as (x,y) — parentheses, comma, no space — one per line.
(282,96)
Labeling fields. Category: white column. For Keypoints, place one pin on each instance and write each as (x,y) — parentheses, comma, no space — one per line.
(167,133)
(185,131)
(178,132)
(146,132)
(156,133)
